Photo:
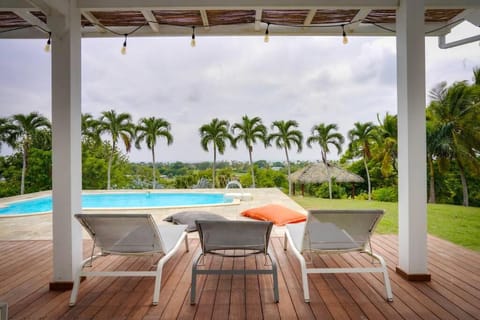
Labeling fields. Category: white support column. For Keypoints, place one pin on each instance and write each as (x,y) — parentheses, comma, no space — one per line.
(411,141)
(67,157)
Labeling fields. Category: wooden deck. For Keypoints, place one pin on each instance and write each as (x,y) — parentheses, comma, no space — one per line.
(453,293)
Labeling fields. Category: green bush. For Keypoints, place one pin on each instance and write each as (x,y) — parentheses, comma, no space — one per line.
(387,194)
(362,196)
(338,192)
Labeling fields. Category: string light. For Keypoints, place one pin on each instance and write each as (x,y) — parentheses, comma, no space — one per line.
(267,37)
(193,43)
(47,47)
(124,47)
(49,41)
(344,34)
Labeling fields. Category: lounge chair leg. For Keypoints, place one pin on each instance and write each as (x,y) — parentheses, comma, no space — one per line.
(3,310)
(186,244)
(73,295)
(285,242)
(275,280)
(306,292)
(158,280)
(194,278)
(386,278)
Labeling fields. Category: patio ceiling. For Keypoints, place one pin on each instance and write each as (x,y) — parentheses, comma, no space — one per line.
(27,18)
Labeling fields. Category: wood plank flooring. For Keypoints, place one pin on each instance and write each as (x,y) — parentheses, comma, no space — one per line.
(453,293)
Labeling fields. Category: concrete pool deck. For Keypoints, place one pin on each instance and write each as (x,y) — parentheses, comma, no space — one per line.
(39,227)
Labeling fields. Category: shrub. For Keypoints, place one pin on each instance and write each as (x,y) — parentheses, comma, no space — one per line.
(361,196)
(338,192)
(387,194)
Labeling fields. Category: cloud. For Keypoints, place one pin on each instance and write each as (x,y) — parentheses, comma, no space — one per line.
(308,79)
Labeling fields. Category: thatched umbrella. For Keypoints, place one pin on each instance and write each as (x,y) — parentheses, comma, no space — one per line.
(317,173)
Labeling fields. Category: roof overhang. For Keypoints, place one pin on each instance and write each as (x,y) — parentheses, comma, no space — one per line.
(108,18)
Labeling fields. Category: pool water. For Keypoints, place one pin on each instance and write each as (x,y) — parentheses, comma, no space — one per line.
(120,200)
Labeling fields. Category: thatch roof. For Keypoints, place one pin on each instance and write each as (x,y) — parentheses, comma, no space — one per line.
(317,173)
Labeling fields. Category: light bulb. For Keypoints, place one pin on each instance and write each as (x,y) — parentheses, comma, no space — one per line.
(344,34)
(193,43)
(267,37)
(124,47)
(49,41)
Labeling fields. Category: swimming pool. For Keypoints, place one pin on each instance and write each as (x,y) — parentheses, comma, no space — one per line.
(120,200)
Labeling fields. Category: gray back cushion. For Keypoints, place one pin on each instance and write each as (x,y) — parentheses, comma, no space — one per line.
(189,217)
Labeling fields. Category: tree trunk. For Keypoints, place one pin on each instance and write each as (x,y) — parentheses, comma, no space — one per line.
(329,182)
(214,165)
(288,169)
(154,169)
(24,170)
(368,178)
(251,166)
(464,184)
(109,168)
(431,188)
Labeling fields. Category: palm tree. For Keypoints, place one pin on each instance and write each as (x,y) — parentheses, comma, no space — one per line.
(6,128)
(116,126)
(89,128)
(456,111)
(217,133)
(284,138)
(387,144)
(149,129)
(361,137)
(438,148)
(22,132)
(324,136)
(250,130)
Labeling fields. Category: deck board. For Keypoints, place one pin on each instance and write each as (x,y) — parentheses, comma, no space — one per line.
(453,293)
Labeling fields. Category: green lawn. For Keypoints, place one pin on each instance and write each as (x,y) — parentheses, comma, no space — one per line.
(456,224)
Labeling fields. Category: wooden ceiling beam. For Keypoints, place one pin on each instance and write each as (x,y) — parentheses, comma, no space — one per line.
(357,20)
(96,23)
(30,18)
(235,4)
(152,21)
(258,18)
(203,14)
(309,17)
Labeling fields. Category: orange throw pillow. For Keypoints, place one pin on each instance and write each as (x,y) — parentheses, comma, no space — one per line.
(275,213)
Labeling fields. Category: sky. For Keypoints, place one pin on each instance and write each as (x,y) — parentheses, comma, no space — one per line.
(311,80)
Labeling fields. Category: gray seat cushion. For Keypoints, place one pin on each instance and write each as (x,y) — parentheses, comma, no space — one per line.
(189,217)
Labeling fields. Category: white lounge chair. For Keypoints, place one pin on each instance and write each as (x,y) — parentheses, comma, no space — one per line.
(245,237)
(129,234)
(334,232)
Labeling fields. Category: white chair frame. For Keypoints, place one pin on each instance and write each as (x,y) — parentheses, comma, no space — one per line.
(297,230)
(161,234)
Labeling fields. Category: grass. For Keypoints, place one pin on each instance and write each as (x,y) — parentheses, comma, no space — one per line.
(457,224)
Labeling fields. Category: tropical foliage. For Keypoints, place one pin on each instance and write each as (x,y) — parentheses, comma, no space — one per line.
(249,131)
(148,130)
(453,152)
(116,126)
(361,137)
(216,133)
(285,137)
(326,135)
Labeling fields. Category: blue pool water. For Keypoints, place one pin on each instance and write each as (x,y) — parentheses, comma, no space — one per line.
(120,200)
